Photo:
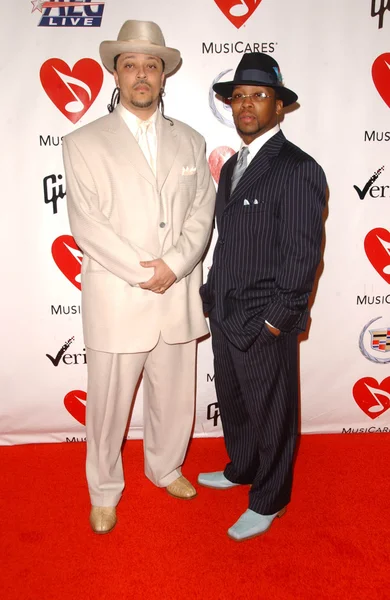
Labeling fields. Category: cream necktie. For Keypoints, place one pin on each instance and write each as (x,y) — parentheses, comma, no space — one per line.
(142,137)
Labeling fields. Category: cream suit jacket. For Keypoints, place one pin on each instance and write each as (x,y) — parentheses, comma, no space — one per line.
(121,214)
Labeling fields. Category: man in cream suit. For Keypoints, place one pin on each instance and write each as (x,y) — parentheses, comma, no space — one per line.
(140,203)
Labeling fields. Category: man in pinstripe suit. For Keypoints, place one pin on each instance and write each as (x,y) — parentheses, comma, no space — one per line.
(269,209)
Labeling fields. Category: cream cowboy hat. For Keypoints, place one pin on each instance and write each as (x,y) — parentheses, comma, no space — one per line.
(143,37)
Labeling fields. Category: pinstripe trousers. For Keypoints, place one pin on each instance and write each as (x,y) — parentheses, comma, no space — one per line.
(257,392)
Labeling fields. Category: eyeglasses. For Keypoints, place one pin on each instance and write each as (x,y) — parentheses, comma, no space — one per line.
(239,98)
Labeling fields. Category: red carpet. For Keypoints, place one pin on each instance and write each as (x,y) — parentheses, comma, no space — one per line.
(333,542)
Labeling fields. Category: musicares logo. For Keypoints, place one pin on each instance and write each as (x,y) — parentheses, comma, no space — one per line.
(377,247)
(238,11)
(75,13)
(60,81)
(68,258)
(217,159)
(380,11)
(372,398)
(74,403)
(381,76)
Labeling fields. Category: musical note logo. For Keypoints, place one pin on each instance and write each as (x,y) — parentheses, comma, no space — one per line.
(238,11)
(68,258)
(378,407)
(76,105)
(372,397)
(73,91)
(386,246)
(377,247)
(75,403)
(380,74)
(78,255)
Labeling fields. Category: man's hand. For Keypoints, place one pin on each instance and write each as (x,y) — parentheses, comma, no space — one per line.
(162,279)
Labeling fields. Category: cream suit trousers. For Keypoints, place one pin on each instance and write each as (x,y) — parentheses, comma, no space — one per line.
(169,394)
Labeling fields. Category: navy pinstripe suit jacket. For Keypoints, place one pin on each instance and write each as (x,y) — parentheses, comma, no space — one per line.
(269,244)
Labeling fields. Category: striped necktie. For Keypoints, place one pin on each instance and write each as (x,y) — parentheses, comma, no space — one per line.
(240,167)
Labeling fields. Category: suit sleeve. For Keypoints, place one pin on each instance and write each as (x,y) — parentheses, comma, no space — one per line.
(300,238)
(182,257)
(90,227)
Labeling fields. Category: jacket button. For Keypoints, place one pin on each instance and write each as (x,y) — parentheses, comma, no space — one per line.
(162,224)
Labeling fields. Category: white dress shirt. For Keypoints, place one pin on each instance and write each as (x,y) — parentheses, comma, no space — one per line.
(258,143)
(133,123)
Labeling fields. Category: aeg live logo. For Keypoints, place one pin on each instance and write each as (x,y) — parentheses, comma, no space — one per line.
(75,13)
(237,11)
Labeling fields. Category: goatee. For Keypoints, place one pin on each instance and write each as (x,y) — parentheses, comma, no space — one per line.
(248,133)
(145,104)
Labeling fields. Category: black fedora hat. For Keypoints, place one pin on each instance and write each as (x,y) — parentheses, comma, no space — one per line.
(257,68)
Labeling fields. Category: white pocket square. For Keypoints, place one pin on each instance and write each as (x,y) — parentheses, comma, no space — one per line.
(246,202)
(188,170)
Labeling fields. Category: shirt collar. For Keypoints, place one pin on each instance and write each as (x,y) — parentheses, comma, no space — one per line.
(132,121)
(259,142)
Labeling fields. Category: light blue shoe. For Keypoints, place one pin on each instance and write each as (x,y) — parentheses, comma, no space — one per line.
(251,524)
(215,480)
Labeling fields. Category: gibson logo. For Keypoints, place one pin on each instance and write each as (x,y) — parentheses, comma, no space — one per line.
(213,413)
(53,190)
(378,9)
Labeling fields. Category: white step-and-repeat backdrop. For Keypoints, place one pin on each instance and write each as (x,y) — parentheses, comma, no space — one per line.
(335,55)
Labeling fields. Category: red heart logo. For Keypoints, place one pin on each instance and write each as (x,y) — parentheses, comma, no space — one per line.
(68,258)
(73,91)
(217,159)
(373,398)
(381,76)
(377,247)
(74,403)
(237,11)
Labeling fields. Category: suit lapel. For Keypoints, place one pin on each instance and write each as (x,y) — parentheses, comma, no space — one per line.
(258,165)
(167,148)
(225,181)
(127,145)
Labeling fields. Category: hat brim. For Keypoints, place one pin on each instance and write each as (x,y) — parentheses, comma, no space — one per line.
(109,49)
(225,89)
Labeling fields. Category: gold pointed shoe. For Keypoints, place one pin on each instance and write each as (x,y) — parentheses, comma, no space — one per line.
(181,488)
(102,518)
